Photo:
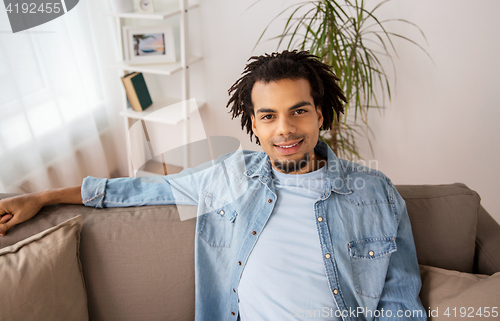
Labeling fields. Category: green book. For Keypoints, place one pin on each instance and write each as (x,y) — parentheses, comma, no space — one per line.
(137,91)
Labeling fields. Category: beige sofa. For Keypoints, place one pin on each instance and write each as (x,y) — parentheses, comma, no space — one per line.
(137,262)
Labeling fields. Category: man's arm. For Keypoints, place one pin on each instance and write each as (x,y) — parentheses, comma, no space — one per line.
(17,209)
(402,284)
(179,189)
(182,189)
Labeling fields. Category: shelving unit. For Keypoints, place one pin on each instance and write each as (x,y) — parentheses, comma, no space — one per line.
(170,117)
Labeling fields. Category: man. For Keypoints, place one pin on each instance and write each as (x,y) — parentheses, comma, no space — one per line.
(291,233)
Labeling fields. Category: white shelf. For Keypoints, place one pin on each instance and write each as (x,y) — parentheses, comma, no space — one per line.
(159,69)
(167,11)
(169,116)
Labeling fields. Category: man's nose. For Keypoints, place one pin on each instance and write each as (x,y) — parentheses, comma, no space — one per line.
(285,126)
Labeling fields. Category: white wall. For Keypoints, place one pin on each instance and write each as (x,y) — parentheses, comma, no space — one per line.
(439,127)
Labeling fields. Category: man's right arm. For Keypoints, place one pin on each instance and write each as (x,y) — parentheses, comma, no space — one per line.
(17,209)
(179,189)
(182,189)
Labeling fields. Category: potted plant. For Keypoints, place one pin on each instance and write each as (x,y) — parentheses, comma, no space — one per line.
(349,37)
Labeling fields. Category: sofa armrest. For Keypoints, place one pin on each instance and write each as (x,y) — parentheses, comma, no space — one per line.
(487,259)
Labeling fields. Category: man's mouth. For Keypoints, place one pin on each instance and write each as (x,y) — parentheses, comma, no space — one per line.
(289,148)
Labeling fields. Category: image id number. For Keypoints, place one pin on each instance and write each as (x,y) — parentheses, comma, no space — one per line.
(34,8)
(471,312)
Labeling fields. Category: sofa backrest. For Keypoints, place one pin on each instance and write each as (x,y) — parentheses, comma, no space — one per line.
(443,220)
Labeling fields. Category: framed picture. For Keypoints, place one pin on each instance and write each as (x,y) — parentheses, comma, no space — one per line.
(148,44)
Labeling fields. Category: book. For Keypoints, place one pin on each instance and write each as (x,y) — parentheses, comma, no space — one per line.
(137,91)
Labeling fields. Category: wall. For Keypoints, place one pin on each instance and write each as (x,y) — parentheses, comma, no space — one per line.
(439,127)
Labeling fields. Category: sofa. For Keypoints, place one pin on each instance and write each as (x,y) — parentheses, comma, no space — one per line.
(137,262)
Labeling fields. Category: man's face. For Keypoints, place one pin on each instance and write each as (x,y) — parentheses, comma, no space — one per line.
(287,123)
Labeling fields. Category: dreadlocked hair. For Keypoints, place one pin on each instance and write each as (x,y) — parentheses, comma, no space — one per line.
(276,66)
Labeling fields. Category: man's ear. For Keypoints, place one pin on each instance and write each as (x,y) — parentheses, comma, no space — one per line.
(320,116)
(254,128)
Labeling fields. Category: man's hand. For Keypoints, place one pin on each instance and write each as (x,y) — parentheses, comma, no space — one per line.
(18,209)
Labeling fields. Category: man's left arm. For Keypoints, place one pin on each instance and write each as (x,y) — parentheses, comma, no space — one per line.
(402,283)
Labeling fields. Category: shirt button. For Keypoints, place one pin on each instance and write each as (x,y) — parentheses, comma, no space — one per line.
(335,291)
(232,313)
(327,255)
(239,262)
(234,290)
(320,219)
(371,253)
(254,232)
(222,212)
(269,201)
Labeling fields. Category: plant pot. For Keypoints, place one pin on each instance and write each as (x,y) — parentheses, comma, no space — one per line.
(120,6)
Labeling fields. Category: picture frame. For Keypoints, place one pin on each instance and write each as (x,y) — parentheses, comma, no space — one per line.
(148,44)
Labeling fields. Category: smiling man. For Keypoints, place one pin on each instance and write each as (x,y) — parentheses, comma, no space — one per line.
(291,233)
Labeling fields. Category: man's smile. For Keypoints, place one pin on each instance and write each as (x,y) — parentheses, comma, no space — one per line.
(289,148)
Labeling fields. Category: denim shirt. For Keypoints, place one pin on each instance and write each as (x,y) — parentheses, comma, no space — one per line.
(364,231)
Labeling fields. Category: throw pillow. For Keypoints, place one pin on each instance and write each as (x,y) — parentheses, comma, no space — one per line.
(42,278)
(452,295)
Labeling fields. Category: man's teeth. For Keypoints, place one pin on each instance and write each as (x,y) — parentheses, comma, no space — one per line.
(289,146)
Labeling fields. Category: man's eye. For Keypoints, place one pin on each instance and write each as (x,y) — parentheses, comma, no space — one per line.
(266,117)
(300,111)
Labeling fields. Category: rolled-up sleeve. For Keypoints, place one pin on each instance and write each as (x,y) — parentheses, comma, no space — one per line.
(180,189)
(93,191)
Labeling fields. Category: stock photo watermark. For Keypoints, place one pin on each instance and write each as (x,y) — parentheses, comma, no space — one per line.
(449,312)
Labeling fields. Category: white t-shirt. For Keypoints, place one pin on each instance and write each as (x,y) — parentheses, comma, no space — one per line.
(285,277)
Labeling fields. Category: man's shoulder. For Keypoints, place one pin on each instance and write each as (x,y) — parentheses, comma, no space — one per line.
(250,157)
(366,181)
(241,160)
(352,168)
(248,154)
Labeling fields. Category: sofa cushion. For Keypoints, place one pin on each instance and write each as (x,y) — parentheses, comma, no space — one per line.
(452,295)
(42,277)
(443,220)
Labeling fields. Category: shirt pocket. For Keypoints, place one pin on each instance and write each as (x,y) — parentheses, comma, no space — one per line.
(369,261)
(217,225)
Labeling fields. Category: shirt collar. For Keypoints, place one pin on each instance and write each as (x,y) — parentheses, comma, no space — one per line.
(336,181)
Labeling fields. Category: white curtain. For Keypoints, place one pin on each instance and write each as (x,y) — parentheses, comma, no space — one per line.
(58,102)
